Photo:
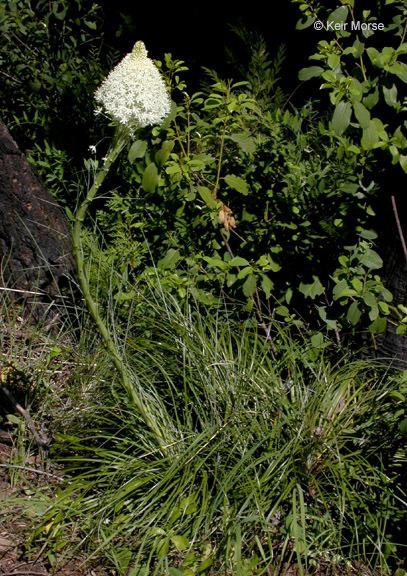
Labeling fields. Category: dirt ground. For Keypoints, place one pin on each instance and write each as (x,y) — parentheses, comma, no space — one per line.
(14,525)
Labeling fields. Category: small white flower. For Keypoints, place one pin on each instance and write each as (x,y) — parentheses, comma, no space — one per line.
(134,92)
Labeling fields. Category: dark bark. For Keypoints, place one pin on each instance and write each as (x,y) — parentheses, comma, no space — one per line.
(391,346)
(35,246)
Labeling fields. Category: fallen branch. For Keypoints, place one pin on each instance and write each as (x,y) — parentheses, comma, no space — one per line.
(34,470)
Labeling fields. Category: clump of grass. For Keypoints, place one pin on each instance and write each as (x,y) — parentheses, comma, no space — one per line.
(269,458)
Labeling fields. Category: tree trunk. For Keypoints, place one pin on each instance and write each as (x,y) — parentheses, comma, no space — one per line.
(392,347)
(35,247)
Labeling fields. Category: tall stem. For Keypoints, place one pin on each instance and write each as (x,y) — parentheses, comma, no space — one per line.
(119,141)
(222,144)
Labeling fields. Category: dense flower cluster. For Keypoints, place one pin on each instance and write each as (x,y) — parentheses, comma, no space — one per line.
(134,93)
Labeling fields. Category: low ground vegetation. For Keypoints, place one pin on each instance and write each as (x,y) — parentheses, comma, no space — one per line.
(221,419)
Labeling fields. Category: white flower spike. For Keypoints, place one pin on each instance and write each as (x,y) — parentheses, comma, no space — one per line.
(134,92)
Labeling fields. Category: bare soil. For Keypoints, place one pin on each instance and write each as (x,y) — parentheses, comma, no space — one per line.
(15,526)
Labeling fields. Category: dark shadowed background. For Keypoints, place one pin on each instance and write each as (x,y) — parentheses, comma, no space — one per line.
(201,36)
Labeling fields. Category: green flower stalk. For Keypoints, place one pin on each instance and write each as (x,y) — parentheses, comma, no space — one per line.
(134,96)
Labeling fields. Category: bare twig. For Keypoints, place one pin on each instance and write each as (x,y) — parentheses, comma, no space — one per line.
(21,291)
(22,573)
(396,217)
(11,77)
(256,301)
(39,438)
(34,470)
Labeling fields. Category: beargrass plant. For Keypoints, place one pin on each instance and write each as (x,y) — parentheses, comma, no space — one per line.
(134,96)
(277,457)
(223,452)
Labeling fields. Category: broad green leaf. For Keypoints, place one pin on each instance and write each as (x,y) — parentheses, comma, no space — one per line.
(371,301)
(312,290)
(245,142)
(230,279)
(237,184)
(338,289)
(207,197)
(368,234)
(69,214)
(248,307)
(378,326)
(180,542)
(282,311)
(247,216)
(170,260)
(173,168)
(238,261)
(137,150)
(399,139)
(273,265)
(323,314)
(245,272)
(371,99)
(156,531)
(402,308)
(175,572)
(339,15)
(386,294)
(400,70)
(362,114)
(204,565)
(163,546)
(139,571)
(124,296)
(341,117)
(358,48)
(348,293)
(383,307)
(59,15)
(14,419)
(267,285)
(333,61)
(390,96)
(164,152)
(373,54)
(150,178)
(371,259)
(317,340)
(403,162)
(403,426)
(357,284)
(381,129)
(350,188)
(288,295)
(310,72)
(216,262)
(262,261)
(90,24)
(249,286)
(354,313)
(370,136)
(306,22)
